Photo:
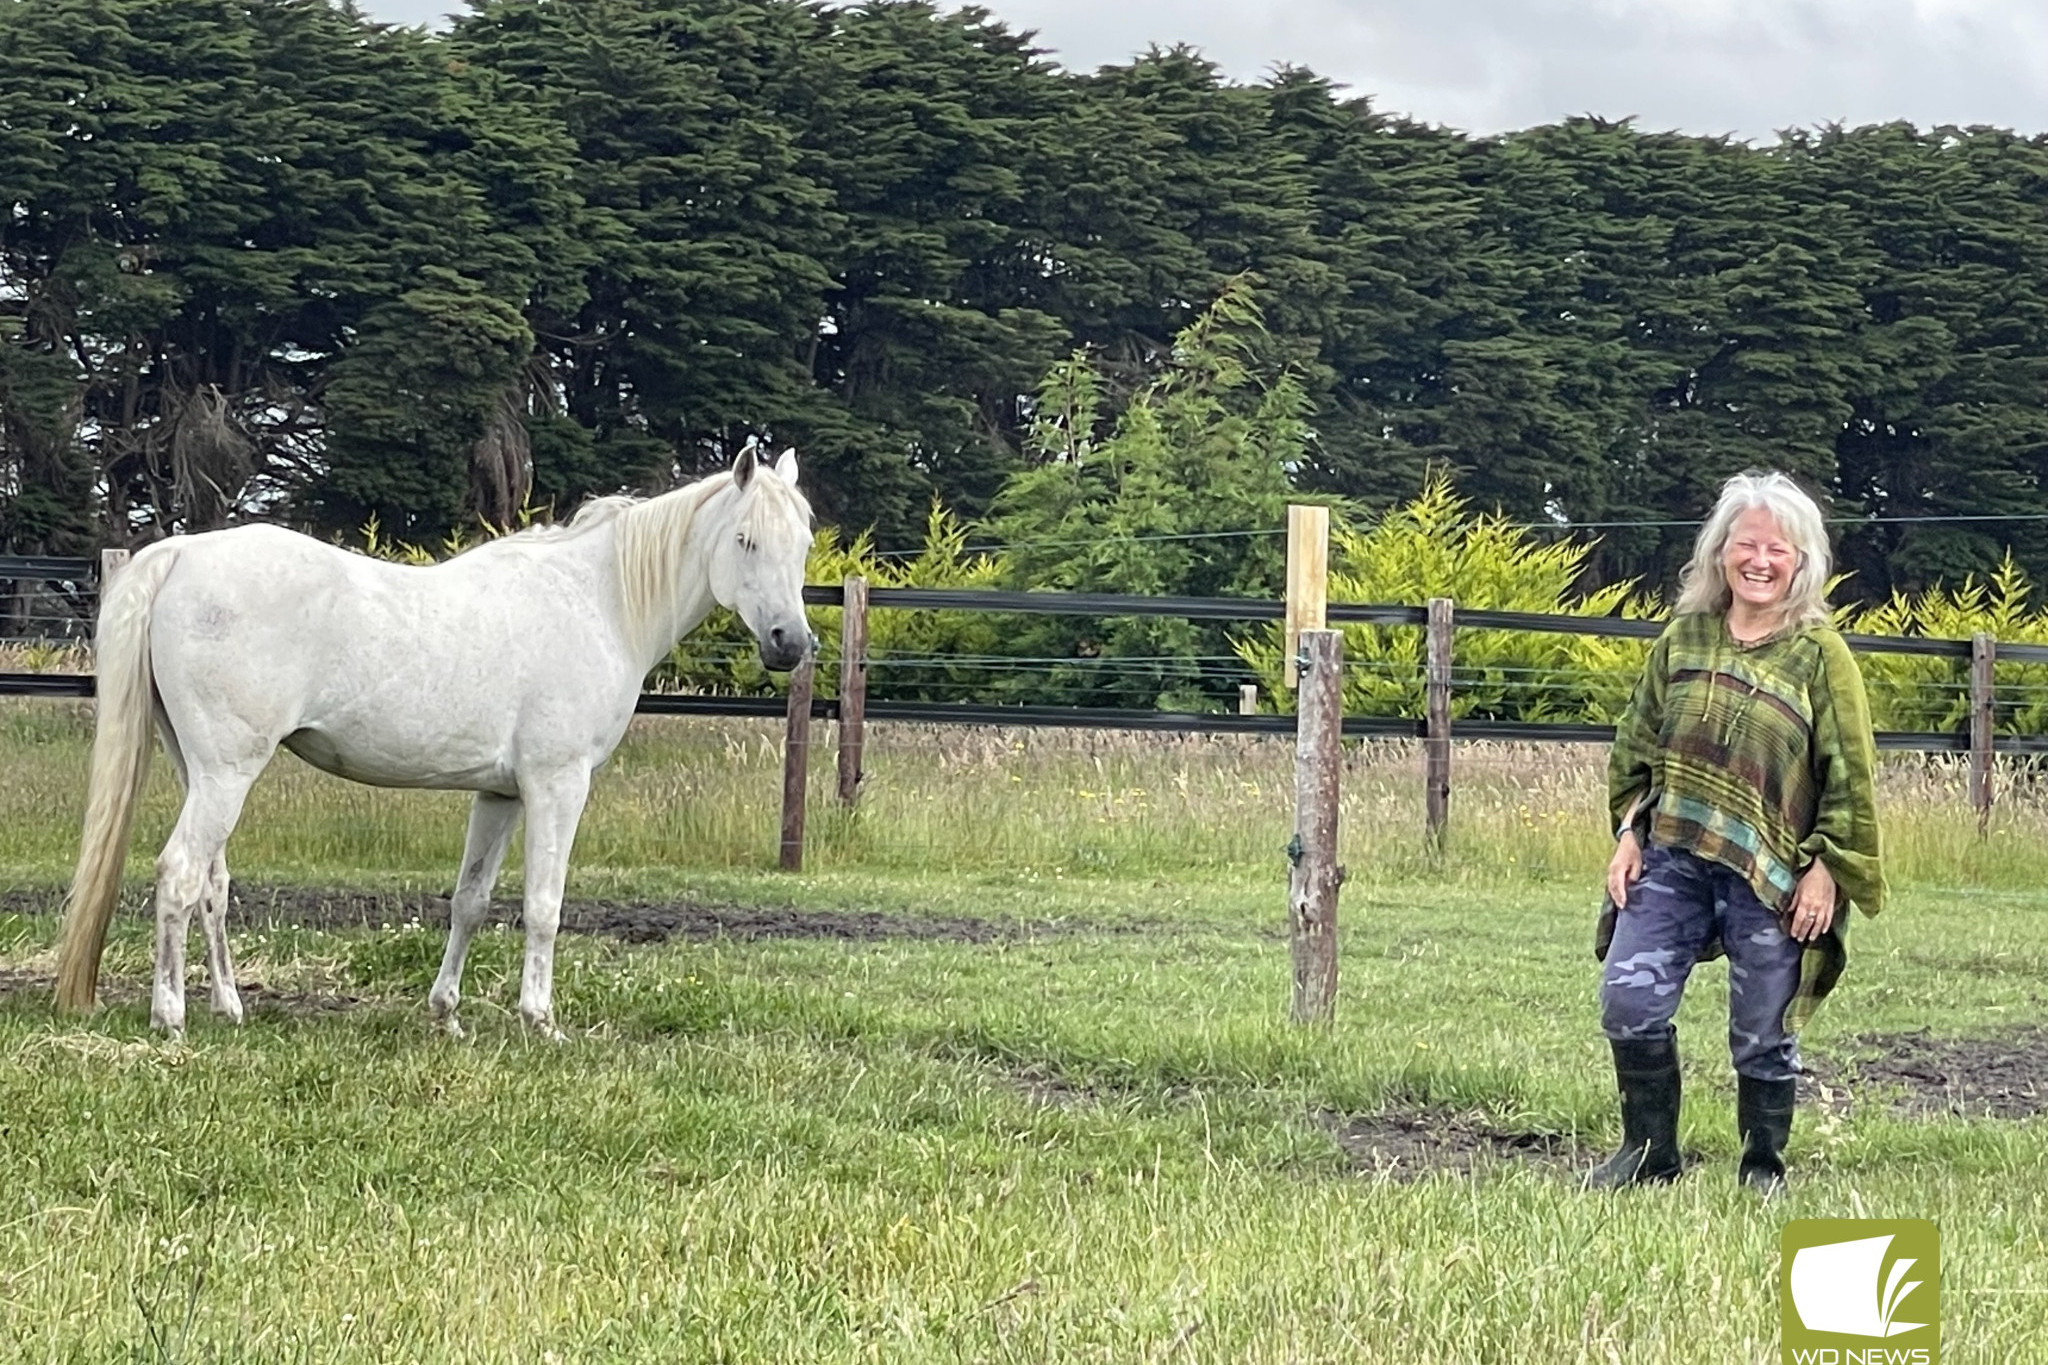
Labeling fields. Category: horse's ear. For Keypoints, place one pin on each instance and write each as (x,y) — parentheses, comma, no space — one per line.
(743,467)
(785,465)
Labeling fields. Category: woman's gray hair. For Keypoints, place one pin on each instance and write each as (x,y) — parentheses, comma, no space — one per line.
(1703,586)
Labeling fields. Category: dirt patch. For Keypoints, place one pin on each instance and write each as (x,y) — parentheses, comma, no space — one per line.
(15,901)
(22,981)
(1043,1086)
(2003,1076)
(1408,1144)
(627,921)
(642,922)
(258,1000)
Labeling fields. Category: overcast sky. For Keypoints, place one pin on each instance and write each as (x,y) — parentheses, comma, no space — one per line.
(1747,67)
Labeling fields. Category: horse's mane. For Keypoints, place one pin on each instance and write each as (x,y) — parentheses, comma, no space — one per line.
(653,535)
(594,512)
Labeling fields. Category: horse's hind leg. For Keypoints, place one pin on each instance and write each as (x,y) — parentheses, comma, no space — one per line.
(491,819)
(220,964)
(213,907)
(184,878)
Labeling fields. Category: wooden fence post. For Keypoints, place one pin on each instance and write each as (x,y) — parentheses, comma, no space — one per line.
(1313,882)
(796,762)
(1436,744)
(1983,654)
(853,686)
(111,563)
(1308,578)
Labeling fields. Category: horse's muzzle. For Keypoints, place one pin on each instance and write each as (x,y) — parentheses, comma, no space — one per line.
(783,648)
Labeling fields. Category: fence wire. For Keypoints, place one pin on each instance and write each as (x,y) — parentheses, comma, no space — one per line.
(47,605)
(33,611)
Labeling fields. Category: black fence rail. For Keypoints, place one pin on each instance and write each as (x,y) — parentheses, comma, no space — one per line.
(45,598)
(1344,614)
(20,567)
(80,685)
(47,569)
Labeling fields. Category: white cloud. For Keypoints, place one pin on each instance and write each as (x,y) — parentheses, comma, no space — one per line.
(1747,67)
(1744,66)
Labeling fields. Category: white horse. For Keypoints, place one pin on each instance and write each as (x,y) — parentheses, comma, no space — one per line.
(510,671)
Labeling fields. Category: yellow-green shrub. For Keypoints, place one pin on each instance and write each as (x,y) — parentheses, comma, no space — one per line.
(921,654)
(1919,692)
(1434,547)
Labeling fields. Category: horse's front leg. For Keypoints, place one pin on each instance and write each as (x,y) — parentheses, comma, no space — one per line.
(553,809)
(491,819)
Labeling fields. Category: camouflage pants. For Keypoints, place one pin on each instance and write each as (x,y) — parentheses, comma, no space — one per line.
(1671,916)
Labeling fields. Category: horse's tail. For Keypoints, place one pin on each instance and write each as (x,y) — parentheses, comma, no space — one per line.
(120,763)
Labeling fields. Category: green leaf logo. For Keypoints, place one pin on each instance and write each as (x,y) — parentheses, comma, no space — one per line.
(1860,1291)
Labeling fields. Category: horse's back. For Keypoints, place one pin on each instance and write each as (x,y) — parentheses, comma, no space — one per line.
(264,598)
(391,674)
(253,567)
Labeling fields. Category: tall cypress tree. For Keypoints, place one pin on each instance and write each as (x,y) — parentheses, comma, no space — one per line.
(699,231)
(1949,421)
(211,203)
(937,133)
(1392,215)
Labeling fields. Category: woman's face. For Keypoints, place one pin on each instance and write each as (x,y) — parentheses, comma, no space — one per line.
(1758,560)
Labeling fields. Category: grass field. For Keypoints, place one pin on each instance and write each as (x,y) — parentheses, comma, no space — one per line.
(1034,1099)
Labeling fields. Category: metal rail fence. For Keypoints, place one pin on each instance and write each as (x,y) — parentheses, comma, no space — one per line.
(82,571)
(1440,620)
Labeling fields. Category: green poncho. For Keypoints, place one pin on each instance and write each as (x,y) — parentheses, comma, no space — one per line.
(1759,758)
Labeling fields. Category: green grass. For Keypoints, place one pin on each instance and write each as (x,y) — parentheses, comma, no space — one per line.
(1095,1139)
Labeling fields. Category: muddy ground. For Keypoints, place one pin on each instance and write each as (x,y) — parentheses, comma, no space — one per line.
(1406,1144)
(627,921)
(2002,1076)
(258,999)
(1914,1075)
(1920,1075)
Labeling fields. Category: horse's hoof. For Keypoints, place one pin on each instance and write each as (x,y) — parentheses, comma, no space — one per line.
(544,1029)
(452,1026)
(229,1007)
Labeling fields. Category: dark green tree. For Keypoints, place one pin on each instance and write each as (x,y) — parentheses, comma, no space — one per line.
(698,238)
(407,402)
(1394,214)
(1949,421)
(1180,494)
(938,133)
(1175,184)
(210,203)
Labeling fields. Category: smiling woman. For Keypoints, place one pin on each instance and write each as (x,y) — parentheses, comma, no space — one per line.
(1762,560)
(1742,785)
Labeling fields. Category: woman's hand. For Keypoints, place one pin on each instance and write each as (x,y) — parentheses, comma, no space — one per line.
(1624,868)
(1813,902)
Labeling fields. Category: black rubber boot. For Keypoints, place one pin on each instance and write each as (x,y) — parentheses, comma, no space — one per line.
(1646,1069)
(1763,1116)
